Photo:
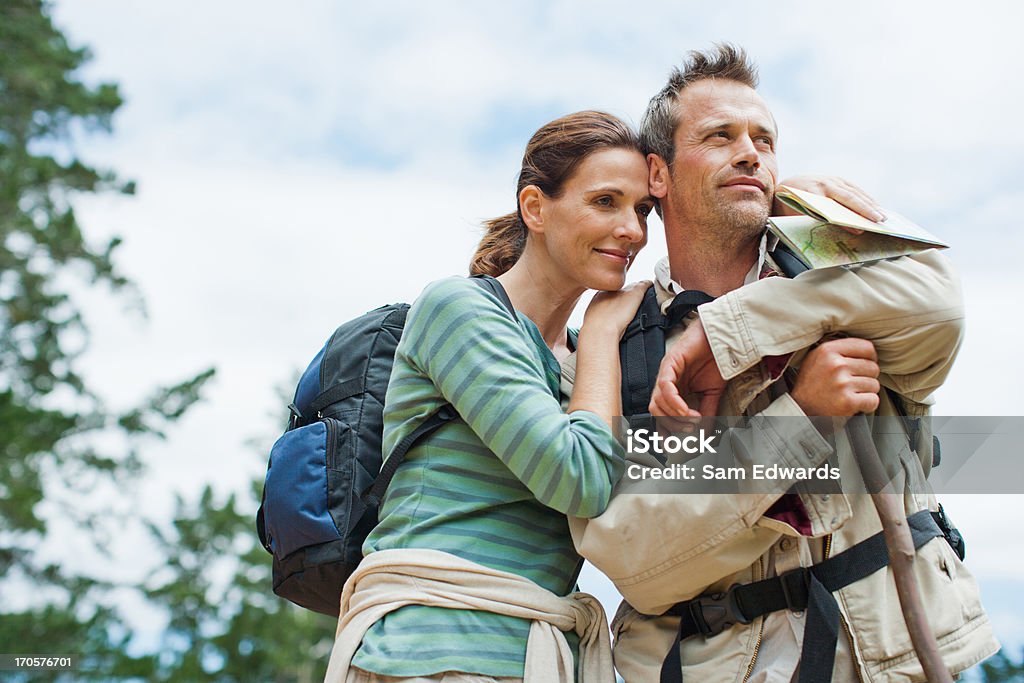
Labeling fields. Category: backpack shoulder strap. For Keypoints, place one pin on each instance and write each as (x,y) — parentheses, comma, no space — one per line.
(640,352)
(373,497)
(492,285)
(786,259)
(445,413)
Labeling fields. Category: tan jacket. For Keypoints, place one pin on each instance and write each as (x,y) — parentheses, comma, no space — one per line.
(663,549)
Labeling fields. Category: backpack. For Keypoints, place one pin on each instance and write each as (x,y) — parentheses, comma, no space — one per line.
(324,478)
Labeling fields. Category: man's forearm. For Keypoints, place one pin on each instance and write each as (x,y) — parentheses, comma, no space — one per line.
(664,544)
(911,309)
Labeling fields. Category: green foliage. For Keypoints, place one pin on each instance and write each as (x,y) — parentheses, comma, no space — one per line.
(51,421)
(213,583)
(64,629)
(1000,668)
(234,628)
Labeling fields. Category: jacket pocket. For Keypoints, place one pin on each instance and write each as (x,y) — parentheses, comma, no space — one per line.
(948,591)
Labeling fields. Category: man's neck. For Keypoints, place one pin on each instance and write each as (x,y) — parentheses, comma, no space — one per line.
(709,265)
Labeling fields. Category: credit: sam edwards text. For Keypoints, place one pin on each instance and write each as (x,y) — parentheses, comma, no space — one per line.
(759,471)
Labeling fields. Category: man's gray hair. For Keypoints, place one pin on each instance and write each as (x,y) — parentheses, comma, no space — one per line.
(723,60)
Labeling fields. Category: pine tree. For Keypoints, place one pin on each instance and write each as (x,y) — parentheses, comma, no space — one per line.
(50,417)
(225,623)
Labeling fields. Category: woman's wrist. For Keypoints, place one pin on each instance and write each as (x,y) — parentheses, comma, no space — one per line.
(600,332)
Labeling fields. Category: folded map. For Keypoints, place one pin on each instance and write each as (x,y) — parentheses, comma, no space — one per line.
(820,237)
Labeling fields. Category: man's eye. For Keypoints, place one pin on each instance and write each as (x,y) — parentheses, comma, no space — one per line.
(720,134)
(604,201)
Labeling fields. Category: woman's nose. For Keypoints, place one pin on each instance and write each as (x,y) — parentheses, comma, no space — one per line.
(631,228)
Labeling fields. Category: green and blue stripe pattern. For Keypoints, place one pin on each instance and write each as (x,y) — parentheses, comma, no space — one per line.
(493,487)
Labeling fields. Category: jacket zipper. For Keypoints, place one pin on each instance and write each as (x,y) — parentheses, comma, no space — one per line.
(760,633)
(846,629)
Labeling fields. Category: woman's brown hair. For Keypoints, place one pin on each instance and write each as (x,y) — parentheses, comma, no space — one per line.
(551,157)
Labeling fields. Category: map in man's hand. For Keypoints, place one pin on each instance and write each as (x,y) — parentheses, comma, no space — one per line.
(820,237)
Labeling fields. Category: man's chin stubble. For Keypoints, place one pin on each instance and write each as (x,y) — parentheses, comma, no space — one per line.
(736,226)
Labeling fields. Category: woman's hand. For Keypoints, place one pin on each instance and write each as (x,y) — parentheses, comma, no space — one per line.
(612,312)
(598,376)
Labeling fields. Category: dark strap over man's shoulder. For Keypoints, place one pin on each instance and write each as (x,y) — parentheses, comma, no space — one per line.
(643,346)
(684,304)
(787,260)
(640,352)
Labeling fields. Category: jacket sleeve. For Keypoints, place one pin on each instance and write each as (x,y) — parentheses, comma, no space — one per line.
(481,361)
(661,543)
(910,307)
(662,549)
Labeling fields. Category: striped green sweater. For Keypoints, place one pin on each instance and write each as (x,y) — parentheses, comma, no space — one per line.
(493,487)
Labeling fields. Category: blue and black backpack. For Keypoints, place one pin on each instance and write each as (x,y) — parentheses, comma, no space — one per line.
(325,479)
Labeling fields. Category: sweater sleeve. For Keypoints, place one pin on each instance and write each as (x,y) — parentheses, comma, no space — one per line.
(482,363)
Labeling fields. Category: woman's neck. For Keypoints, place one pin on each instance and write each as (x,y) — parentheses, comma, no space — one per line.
(544,298)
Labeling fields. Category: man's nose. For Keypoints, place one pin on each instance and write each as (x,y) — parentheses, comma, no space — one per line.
(746,153)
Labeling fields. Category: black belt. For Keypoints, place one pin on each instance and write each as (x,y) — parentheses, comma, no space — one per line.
(804,589)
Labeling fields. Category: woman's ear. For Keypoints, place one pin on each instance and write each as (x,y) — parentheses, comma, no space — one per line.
(657,176)
(531,206)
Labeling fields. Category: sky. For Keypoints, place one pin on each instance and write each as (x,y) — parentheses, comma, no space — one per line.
(301,163)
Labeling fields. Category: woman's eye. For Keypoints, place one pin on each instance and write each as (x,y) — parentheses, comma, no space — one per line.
(604,201)
(644,210)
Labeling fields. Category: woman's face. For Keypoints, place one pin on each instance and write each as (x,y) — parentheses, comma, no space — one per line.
(595,228)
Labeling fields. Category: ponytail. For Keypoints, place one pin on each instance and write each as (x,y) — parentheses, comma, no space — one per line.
(500,247)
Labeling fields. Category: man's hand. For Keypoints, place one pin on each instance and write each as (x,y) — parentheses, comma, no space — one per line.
(688,368)
(838,378)
(843,191)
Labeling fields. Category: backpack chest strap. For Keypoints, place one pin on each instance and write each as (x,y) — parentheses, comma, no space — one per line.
(803,589)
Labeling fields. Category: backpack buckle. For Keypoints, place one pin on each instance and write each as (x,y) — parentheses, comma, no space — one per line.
(716,612)
(950,533)
(796,588)
(295,416)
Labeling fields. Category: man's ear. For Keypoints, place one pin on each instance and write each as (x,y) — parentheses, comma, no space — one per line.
(531,206)
(657,176)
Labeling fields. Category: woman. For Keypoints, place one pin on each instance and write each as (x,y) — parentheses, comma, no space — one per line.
(473,550)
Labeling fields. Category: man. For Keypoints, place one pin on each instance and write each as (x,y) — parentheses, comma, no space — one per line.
(711,142)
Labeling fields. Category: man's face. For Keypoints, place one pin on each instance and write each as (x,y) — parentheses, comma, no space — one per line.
(724,172)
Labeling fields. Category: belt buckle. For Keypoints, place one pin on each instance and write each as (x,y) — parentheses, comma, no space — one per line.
(716,612)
